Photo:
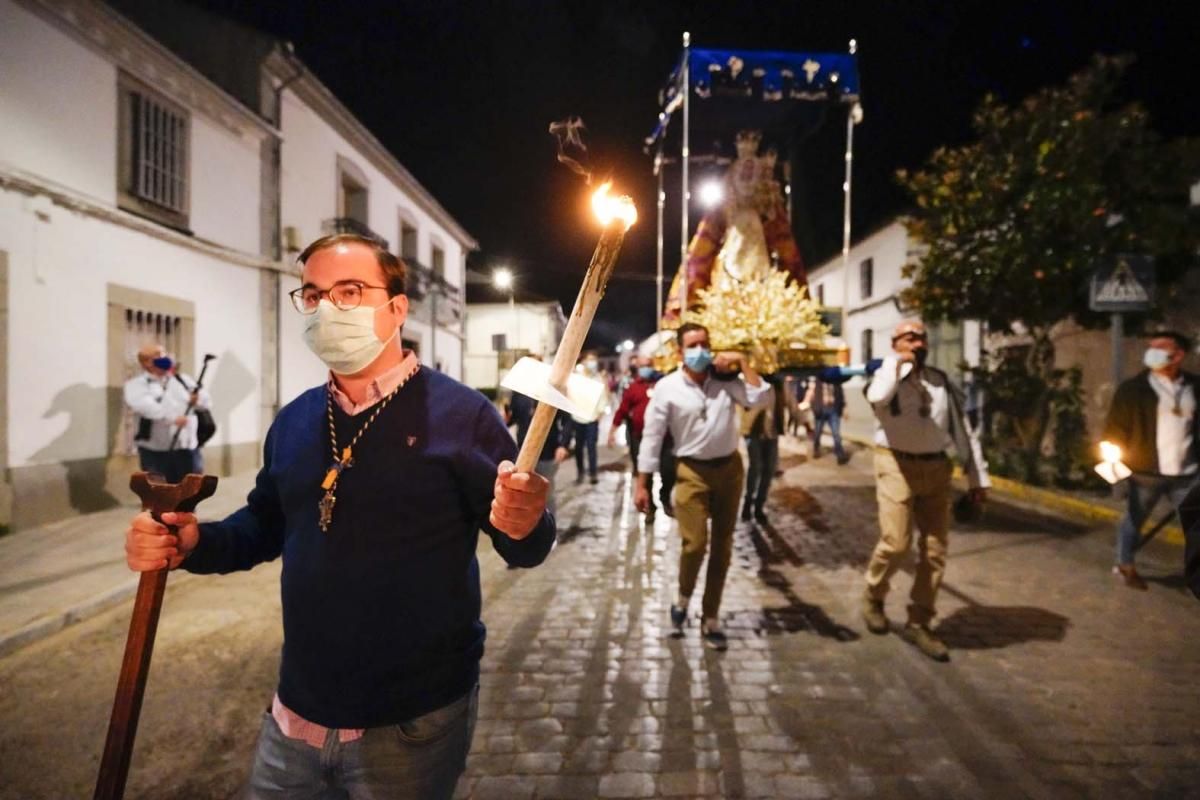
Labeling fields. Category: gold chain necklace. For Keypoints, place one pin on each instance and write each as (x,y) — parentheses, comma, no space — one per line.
(346,459)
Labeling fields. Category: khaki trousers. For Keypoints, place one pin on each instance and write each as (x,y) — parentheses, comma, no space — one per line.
(908,491)
(705,491)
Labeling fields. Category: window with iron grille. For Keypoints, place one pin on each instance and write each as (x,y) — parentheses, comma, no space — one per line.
(153,137)
(143,327)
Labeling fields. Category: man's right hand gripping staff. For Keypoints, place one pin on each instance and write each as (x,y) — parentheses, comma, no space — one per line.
(150,546)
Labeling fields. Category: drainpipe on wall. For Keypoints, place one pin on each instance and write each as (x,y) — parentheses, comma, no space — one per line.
(289,52)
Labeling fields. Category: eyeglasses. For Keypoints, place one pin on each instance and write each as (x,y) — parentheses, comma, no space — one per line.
(345,295)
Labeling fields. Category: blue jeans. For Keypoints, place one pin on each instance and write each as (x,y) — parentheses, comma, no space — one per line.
(835,427)
(1144,493)
(586,434)
(172,465)
(548,469)
(420,758)
(764,455)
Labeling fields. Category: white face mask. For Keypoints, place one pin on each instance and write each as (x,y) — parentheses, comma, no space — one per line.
(344,340)
(1156,358)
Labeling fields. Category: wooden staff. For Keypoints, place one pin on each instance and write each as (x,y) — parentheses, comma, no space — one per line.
(157,498)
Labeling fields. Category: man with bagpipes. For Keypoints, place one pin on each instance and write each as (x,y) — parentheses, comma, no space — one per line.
(172,412)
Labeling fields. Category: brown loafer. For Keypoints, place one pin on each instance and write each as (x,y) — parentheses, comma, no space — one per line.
(1129,575)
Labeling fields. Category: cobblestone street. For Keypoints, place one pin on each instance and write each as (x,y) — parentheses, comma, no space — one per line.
(1062,683)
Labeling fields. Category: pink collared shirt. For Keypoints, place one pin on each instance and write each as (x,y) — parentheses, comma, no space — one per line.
(379,388)
(292,724)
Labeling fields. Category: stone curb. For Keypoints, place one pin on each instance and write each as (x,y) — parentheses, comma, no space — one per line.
(55,621)
(1049,501)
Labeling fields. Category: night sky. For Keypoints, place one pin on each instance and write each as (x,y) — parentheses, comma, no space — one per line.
(462,92)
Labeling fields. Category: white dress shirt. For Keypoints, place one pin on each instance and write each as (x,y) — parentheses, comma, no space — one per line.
(1173,428)
(914,430)
(701,417)
(162,400)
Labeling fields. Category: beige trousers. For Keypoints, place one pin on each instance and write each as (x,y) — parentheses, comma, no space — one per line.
(908,491)
(706,491)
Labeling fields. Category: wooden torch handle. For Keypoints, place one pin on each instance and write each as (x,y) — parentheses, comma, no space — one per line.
(590,293)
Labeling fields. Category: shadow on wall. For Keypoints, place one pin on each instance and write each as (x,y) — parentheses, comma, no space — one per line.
(230,385)
(85,407)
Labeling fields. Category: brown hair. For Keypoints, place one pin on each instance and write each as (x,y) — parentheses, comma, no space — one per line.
(394,270)
(686,328)
(1181,340)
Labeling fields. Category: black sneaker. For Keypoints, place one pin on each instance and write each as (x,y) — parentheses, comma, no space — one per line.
(760,516)
(593,480)
(714,638)
(745,512)
(678,619)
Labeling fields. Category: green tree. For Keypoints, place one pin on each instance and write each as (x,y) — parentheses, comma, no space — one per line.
(1015,223)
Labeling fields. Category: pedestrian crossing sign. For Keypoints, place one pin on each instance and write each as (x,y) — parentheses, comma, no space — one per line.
(1125,284)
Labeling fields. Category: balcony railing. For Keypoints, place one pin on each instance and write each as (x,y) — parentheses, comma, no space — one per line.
(351,225)
(432,291)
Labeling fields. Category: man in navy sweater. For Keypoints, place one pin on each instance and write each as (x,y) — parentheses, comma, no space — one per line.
(373,489)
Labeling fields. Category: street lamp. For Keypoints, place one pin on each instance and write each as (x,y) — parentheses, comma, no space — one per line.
(627,345)
(502,279)
(711,193)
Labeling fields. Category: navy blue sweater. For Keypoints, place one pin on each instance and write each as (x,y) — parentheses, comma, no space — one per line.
(381,613)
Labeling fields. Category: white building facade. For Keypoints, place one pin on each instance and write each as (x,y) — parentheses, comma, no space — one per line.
(871,294)
(336,176)
(498,333)
(140,201)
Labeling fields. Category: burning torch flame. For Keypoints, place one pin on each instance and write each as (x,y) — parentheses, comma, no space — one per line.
(1111,468)
(608,208)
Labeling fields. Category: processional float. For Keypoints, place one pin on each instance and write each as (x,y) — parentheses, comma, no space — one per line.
(741,274)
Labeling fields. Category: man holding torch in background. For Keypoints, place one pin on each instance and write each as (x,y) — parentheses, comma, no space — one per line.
(1153,421)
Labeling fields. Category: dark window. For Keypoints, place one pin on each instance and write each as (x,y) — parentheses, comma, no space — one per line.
(352,199)
(821,294)
(499,342)
(408,240)
(439,261)
(866,277)
(868,341)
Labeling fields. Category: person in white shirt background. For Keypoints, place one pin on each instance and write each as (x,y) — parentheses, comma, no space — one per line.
(697,405)
(918,416)
(1153,419)
(162,399)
